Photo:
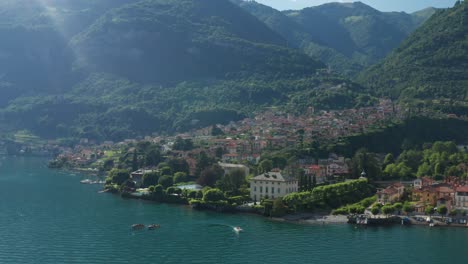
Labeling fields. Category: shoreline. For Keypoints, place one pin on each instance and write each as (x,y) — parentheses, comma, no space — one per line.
(296,218)
(303,218)
(313,219)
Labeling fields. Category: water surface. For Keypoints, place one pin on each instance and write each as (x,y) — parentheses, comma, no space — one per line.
(49,217)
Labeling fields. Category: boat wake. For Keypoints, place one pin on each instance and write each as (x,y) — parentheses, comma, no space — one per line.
(236,229)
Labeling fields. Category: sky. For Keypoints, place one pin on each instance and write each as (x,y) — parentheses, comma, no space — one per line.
(382,5)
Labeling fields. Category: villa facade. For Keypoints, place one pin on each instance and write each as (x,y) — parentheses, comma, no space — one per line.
(271,185)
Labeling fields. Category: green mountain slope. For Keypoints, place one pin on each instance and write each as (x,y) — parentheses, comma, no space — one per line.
(34,52)
(431,64)
(346,36)
(160,66)
(170,41)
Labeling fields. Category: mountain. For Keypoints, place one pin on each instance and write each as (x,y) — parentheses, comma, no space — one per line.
(346,36)
(34,51)
(431,64)
(207,39)
(134,68)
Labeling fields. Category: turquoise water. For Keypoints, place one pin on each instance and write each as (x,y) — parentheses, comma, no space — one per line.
(49,217)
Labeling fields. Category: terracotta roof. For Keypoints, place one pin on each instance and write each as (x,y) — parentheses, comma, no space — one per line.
(462,189)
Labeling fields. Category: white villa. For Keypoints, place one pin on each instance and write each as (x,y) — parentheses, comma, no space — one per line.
(461,197)
(272,185)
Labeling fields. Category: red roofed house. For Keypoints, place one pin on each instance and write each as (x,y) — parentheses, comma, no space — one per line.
(422,182)
(391,194)
(445,195)
(316,170)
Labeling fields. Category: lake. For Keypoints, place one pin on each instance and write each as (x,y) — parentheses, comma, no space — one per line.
(47,216)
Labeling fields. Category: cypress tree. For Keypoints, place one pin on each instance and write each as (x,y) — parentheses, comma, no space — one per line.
(135,161)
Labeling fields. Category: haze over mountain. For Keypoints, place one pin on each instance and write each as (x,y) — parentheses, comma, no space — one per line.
(148,66)
(346,36)
(382,5)
(118,69)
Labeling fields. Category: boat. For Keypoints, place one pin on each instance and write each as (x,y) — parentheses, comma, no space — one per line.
(138,226)
(153,226)
(238,229)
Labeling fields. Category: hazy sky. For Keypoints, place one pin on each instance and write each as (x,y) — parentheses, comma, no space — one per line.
(382,5)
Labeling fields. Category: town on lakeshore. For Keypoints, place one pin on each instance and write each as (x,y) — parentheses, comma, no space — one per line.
(283,166)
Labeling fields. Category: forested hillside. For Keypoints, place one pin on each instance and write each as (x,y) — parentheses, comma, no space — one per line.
(431,64)
(346,36)
(130,68)
(126,68)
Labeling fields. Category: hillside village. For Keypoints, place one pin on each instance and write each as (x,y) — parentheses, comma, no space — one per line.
(241,146)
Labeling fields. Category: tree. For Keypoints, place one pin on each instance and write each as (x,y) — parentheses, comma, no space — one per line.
(388,209)
(165,170)
(135,161)
(213,195)
(429,210)
(303,183)
(216,131)
(203,162)
(179,165)
(108,164)
(165,181)
(180,177)
(439,169)
(119,176)
(309,183)
(442,210)
(127,185)
(424,170)
(158,192)
(314,182)
(173,190)
(150,178)
(367,162)
(356,209)
(404,172)
(453,171)
(153,156)
(183,144)
(265,166)
(192,194)
(210,176)
(398,207)
(232,181)
(375,210)
(279,161)
(454,213)
(411,158)
(389,159)
(408,208)
(391,171)
(143,146)
(278,208)
(219,152)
